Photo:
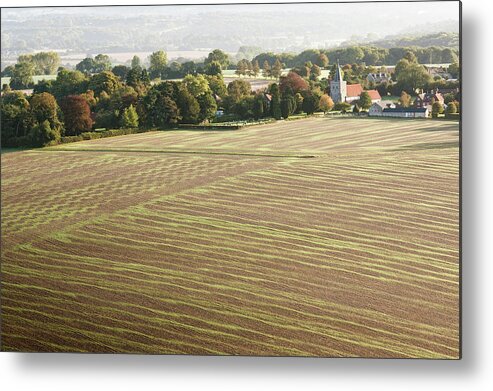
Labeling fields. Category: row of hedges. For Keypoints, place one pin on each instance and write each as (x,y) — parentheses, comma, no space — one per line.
(100,134)
(230,125)
(16,142)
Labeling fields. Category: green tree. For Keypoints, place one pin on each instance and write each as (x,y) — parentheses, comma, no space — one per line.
(158,61)
(288,106)
(454,70)
(208,107)
(343,107)
(197,85)
(266,69)
(46,63)
(130,118)
(275,103)
(255,68)
(244,108)
(69,83)
(42,134)
(22,76)
(217,85)
(213,68)
(136,63)
(8,71)
(86,66)
(44,107)
(411,57)
(218,56)
(121,71)
(241,67)
(299,102)
(16,117)
(276,69)
(104,81)
(310,104)
(413,77)
(364,100)
(189,107)
(258,107)
(315,71)
(102,63)
(238,89)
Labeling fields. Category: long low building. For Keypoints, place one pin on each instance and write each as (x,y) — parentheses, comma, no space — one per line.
(379,110)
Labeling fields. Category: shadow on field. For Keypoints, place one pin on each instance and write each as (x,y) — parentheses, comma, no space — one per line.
(424,146)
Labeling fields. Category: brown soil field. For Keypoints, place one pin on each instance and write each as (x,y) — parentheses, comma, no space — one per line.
(237,243)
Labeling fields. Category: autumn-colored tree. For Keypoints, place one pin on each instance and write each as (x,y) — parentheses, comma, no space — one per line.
(294,81)
(322,60)
(451,108)
(405,99)
(76,114)
(436,109)
(325,103)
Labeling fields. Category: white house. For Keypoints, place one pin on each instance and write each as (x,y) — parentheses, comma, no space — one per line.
(406,112)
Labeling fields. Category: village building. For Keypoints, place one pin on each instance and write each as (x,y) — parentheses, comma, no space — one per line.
(376,109)
(427,99)
(379,77)
(340,91)
(398,112)
(338,87)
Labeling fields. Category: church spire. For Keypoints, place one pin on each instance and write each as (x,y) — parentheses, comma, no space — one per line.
(338,75)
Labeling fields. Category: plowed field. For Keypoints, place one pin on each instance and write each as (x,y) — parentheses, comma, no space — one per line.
(317,237)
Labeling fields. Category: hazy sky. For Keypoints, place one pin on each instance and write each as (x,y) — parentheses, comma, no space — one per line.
(270,26)
(378,18)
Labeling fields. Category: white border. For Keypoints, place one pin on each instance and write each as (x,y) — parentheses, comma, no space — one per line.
(474,372)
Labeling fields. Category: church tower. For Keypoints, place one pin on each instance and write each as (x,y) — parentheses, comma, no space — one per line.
(338,86)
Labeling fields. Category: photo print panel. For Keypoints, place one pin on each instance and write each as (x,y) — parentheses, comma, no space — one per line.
(236,179)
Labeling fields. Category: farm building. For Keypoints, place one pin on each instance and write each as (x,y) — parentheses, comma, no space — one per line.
(404,112)
(376,109)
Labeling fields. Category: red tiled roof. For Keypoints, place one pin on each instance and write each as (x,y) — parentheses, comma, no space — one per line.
(353,90)
(374,95)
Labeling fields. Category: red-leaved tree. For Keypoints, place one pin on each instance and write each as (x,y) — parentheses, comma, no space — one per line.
(76,114)
(294,82)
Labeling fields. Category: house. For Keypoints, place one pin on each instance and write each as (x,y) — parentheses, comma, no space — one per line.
(376,109)
(406,112)
(427,99)
(374,95)
(379,77)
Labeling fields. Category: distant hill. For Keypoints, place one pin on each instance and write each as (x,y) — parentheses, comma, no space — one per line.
(443,39)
